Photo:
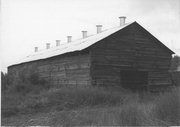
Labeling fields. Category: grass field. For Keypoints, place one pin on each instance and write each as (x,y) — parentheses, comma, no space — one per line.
(90,107)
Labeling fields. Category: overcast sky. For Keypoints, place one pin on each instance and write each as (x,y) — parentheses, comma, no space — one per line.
(29,23)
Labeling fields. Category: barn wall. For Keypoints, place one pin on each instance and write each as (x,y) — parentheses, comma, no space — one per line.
(22,72)
(71,69)
(129,49)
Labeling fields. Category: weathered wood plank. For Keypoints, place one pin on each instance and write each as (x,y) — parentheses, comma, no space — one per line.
(132,50)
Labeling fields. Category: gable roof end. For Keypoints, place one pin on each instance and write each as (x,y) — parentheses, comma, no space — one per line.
(154,38)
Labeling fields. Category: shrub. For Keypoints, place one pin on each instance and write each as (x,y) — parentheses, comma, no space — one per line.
(33,84)
(175,62)
(175,77)
(4,81)
(19,97)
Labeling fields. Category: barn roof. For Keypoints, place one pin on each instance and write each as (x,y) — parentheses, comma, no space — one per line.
(76,45)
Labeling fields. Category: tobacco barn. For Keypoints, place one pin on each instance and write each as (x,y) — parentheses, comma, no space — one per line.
(127,56)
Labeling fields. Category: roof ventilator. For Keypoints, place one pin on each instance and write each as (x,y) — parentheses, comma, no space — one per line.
(99,28)
(69,39)
(122,20)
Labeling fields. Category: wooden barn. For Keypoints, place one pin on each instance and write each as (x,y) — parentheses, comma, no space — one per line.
(127,56)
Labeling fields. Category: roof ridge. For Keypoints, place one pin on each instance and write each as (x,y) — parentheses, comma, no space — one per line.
(76,45)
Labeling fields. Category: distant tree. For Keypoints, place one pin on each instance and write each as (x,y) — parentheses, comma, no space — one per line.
(4,81)
(175,62)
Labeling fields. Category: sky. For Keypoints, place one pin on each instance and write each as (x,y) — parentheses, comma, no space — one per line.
(26,24)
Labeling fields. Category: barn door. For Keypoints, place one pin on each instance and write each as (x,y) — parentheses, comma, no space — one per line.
(134,80)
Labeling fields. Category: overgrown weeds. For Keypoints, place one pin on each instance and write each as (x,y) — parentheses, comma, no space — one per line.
(62,99)
(32,84)
(74,98)
(111,107)
(167,107)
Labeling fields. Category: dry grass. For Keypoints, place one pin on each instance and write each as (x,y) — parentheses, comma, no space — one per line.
(167,107)
(61,99)
(70,107)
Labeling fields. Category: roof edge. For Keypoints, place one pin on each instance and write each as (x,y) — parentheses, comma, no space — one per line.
(172,52)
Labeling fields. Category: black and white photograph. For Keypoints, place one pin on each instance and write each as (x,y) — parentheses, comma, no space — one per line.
(90,62)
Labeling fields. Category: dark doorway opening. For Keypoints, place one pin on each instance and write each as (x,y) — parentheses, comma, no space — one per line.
(134,80)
